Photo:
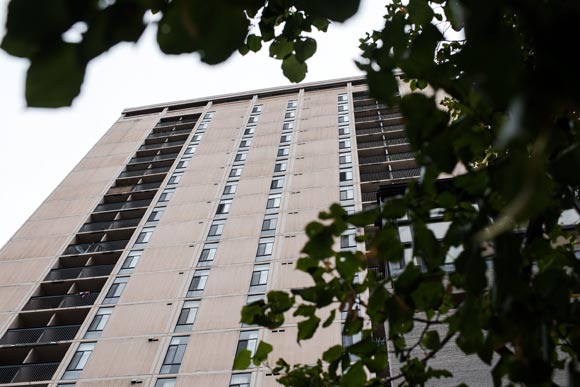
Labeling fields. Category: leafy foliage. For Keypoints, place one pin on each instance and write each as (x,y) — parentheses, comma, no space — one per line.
(509,117)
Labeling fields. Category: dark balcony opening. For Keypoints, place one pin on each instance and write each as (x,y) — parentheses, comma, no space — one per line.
(97,247)
(110,225)
(109,258)
(138,187)
(122,205)
(146,171)
(40,335)
(170,135)
(40,364)
(160,145)
(138,161)
(88,271)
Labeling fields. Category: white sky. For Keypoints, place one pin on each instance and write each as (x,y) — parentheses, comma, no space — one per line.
(39,147)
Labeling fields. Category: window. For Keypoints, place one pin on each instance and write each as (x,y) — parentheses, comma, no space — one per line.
(288,125)
(230,188)
(79,360)
(174,355)
(273,201)
(255,297)
(343,119)
(265,248)
(208,116)
(249,130)
(166,195)
(203,126)
(347,241)
(345,174)
(281,166)
(269,223)
(257,109)
(342,97)
(145,235)
(277,183)
(216,229)
(344,144)
(259,278)
(155,214)
(175,178)
(240,380)
(342,108)
(286,138)
(439,229)
(183,164)
(248,341)
(349,209)
(253,119)
(289,115)
(116,290)
(165,382)
(245,143)
(98,323)
(196,137)
(236,172)
(569,217)
(292,105)
(207,255)
(347,194)
(190,150)
(131,262)
(241,156)
(343,130)
(187,316)
(224,207)
(405,234)
(198,283)
(283,152)
(345,159)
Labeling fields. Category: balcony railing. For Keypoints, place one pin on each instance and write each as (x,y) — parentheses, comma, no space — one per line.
(373,159)
(146,159)
(387,175)
(369,196)
(84,248)
(79,272)
(31,372)
(370,144)
(40,335)
(144,172)
(401,156)
(161,145)
(122,205)
(61,301)
(175,123)
(378,117)
(110,225)
(169,133)
(134,188)
(371,106)
(379,129)
(397,141)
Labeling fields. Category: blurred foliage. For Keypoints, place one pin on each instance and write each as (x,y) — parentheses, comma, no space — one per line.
(510,117)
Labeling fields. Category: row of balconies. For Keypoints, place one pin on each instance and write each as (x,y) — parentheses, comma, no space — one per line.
(379,129)
(390,175)
(382,143)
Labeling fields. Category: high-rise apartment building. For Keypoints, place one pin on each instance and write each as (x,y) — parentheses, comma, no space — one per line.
(135,269)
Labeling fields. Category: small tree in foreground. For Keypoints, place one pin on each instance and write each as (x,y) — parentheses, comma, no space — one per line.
(510,119)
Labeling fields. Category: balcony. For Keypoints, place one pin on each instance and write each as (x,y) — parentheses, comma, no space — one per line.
(371,106)
(146,159)
(41,335)
(388,175)
(170,133)
(134,188)
(122,205)
(31,372)
(144,172)
(162,145)
(175,123)
(370,144)
(79,272)
(84,248)
(61,301)
(111,225)
(386,158)
(369,196)
(379,129)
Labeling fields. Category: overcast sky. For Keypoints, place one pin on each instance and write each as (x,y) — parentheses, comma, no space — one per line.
(39,147)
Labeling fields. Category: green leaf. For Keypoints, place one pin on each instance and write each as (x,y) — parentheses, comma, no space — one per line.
(304,49)
(431,340)
(355,376)
(320,23)
(337,10)
(330,319)
(332,354)
(363,218)
(565,165)
(254,42)
(281,48)
(293,69)
(242,360)
(420,12)
(55,80)
(307,328)
(279,301)
(262,352)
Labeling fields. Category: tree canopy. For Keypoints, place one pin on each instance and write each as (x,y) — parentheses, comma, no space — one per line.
(510,119)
